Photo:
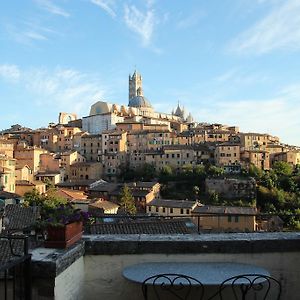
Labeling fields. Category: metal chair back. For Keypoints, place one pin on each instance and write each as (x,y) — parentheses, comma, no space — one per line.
(250,286)
(172,286)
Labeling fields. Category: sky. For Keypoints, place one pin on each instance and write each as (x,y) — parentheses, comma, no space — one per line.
(235,62)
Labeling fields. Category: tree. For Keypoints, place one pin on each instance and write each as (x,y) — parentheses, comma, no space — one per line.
(199,170)
(33,198)
(146,172)
(127,201)
(215,171)
(255,172)
(196,191)
(214,198)
(282,168)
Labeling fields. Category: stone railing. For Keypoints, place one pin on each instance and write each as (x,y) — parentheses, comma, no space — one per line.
(67,274)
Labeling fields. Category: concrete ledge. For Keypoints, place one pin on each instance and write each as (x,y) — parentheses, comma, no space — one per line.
(183,244)
(49,263)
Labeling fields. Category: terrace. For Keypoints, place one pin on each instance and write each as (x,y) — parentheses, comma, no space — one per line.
(92,268)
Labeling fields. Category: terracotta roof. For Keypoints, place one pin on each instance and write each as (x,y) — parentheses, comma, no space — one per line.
(104,204)
(172,203)
(175,226)
(72,194)
(225,210)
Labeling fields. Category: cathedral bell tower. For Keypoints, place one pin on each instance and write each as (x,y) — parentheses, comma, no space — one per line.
(135,85)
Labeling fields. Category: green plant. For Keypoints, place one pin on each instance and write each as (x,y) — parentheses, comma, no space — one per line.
(61,215)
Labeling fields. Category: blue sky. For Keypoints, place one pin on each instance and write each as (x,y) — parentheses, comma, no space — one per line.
(235,62)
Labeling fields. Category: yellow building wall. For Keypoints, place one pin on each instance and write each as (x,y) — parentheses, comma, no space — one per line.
(228,223)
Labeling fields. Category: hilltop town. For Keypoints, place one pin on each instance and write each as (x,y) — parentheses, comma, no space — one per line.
(93,156)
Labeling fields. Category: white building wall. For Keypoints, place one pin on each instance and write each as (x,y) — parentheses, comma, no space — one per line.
(98,123)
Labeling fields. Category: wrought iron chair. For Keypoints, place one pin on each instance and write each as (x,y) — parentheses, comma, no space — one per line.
(250,286)
(173,286)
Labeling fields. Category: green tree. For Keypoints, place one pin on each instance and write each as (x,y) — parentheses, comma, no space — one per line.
(166,174)
(214,198)
(127,201)
(196,191)
(199,171)
(282,168)
(215,171)
(33,198)
(255,172)
(146,172)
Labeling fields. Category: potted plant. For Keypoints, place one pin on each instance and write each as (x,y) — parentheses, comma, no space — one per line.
(62,225)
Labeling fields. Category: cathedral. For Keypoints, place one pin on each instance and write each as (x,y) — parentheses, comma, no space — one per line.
(104,115)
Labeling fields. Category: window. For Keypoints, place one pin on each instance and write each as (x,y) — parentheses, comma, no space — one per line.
(149,208)
(157,210)
(164,209)
(181,211)
(171,210)
(236,219)
(178,155)
(229,219)
(187,211)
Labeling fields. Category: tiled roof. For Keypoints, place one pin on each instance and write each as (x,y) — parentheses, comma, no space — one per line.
(6,248)
(175,226)
(8,195)
(20,217)
(177,147)
(227,210)
(134,192)
(104,204)
(172,203)
(142,184)
(104,187)
(71,194)
(86,182)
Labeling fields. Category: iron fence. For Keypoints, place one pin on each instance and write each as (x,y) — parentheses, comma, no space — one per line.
(15,268)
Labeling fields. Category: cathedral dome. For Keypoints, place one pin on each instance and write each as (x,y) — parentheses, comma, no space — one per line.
(139,101)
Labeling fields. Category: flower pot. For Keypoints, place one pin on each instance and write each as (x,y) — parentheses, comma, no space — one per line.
(64,236)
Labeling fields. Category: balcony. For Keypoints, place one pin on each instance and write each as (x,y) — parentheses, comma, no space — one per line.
(92,269)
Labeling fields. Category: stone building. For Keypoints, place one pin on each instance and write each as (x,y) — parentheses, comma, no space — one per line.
(259,158)
(291,157)
(227,154)
(28,156)
(7,174)
(232,188)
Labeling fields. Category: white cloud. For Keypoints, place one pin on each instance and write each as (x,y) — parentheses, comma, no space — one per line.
(62,88)
(10,72)
(280,29)
(106,5)
(28,32)
(35,36)
(242,76)
(190,21)
(140,22)
(277,115)
(52,8)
